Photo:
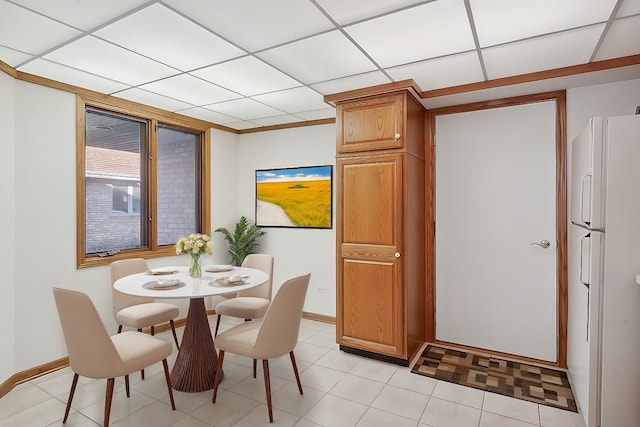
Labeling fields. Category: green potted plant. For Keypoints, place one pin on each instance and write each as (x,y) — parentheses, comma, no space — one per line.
(243,241)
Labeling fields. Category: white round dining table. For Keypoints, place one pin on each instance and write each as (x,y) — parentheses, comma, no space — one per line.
(195,366)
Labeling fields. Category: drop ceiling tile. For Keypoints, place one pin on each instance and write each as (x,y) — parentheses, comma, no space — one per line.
(96,56)
(441,72)
(247,76)
(324,57)
(207,115)
(149,98)
(293,100)
(29,32)
(241,125)
(84,15)
(501,21)
(433,29)
(256,24)
(325,113)
(628,8)
(358,81)
(190,89)
(622,39)
(186,47)
(276,120)
(542,53)
(13,57)
(346,12)
(53,71)
(245,109)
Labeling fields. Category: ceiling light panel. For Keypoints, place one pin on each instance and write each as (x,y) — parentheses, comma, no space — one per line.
(542,53)
(256,24)
(23,30)
(622,39)
(191,90)
(346,12)
(244,109)
(292,100)
(96,56)
(167,37)
(358,81)
(149,98)
(501,21)
(442,72)
(431,30)
(82,14)
(57,72)
(247,76)
(323,57)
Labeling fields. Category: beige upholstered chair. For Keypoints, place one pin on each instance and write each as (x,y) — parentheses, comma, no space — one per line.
(94,354)
(139,312)
(273,336)
(252,303)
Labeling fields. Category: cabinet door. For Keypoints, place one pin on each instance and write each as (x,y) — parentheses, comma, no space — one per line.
(370,124)
(370,289)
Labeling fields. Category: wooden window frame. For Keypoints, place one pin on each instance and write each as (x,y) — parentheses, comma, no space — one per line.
(154,117)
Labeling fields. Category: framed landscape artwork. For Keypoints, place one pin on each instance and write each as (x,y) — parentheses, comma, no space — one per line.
(299,197)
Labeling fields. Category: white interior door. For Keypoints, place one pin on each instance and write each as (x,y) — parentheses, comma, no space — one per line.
(495,196)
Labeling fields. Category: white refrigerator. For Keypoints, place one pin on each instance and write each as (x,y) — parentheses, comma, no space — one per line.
(604,259)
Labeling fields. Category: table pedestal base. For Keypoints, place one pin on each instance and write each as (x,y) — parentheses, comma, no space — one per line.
(195,367)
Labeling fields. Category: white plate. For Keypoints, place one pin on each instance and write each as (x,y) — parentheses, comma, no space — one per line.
(162,270)
(218,268)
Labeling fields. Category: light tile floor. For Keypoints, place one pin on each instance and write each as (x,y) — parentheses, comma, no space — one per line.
(340,389)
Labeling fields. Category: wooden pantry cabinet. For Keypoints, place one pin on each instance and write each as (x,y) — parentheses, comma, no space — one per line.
(381,226)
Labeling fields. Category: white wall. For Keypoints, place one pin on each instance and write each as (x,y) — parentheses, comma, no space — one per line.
(7,220)
(297,251)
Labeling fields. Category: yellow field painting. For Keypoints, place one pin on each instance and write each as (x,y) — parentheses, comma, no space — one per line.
(306,202)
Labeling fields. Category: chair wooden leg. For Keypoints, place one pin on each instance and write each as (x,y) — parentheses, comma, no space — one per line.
(107,400)
(142,370)
(119,328)
(153,330)
(267,387)
(295,370)
(175,336)
(74,383)
(168,380)
(255,363)
(126,385)
(217,325)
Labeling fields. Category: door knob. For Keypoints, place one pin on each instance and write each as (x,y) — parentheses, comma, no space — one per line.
(543,244)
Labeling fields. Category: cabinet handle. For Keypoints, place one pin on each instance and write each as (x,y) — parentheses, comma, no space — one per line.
(397,136)
(397,254)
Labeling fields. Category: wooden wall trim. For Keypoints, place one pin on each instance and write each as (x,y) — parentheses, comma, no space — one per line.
(536,76)
(32,373)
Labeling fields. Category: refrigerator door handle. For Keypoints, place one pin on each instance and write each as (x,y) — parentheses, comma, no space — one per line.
(587,236)
(582,206)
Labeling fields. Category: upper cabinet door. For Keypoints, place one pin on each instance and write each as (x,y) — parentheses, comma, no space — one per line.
(370,124)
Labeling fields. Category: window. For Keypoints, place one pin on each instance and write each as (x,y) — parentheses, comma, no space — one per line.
(142,182)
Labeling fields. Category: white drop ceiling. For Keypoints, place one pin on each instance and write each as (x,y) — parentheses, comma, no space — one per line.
(251,63)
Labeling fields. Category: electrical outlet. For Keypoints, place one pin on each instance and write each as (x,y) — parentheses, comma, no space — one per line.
(320,289)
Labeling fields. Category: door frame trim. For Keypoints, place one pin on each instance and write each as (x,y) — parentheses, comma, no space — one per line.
(561,210)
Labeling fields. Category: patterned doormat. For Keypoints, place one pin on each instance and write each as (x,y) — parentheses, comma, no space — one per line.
(527,382)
